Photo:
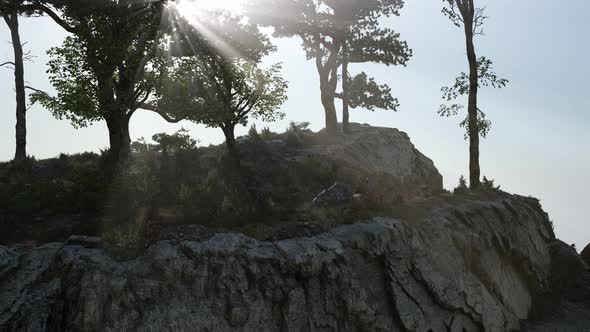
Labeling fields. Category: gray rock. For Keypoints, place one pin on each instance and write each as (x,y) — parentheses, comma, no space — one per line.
(566,306)
(585,254)
(472,267)
(84,241)
(337,194)
(379,150)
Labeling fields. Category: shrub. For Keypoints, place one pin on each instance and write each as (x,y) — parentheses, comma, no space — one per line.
(266,133)
(298,134)
(179,141)
(487,184)
(462,188)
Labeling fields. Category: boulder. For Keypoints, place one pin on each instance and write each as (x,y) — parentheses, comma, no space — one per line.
(566,305)
(384,151)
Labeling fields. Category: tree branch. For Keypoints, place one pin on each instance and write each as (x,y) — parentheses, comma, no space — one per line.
(7,63)
(155,109)
(42,8)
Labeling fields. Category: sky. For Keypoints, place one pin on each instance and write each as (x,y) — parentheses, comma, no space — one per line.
(540,135)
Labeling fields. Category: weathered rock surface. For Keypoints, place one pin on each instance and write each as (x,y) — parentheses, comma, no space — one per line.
(566,305)
(585,254)
(475,266)
(380,150)
(337,194)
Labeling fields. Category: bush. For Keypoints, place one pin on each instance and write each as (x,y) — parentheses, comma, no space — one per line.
(298,134)
(462,188)
(487,184)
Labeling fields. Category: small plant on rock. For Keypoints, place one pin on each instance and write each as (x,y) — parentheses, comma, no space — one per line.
(488,184)
(462,188)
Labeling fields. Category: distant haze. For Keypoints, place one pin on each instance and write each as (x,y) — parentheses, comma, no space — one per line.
(540,137)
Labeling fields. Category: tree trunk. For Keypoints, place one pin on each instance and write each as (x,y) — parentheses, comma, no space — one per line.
(328,95)
(474,170)
(119,138)
(230,142)
(230,138)
(345,101)
(328,72)
(330,112)
(21,98)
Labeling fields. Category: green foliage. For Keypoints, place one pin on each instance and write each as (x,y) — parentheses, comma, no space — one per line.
(364,92)
(298,134)
(217,92)
(253,132)
(109,66)
(267,134)
(461,88)
(488,184)
(462,188)
(179,141)
(218,32)
(317,23)
(77,87)
(74,184)
(333,30)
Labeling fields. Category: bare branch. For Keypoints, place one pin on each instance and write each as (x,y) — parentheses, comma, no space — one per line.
(33,89)
(7,63)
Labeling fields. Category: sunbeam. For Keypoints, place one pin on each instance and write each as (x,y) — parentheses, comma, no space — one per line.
(194,7)
(205,23)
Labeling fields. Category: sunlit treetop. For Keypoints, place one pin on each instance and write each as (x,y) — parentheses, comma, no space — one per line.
(217,31)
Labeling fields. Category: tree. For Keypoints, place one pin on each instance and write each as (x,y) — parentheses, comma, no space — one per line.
(10,10)
(336,33)
(213,77)
(464,13)
(108,68)
(11,20)
(223,93)
(179,141)
(364,40)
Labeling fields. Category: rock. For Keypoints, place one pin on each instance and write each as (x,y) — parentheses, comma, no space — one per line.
(337,194)
(377,150)
(84,241)
(566,305)
(474,266)
(585,254)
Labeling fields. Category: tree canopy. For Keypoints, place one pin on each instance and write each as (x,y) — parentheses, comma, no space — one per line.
(337,32)
(486,77)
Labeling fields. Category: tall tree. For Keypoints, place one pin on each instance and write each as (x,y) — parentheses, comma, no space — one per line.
(333,33)
(212,85)
(464,13)
(108,67)
(224,93)
(365,40)
(11,20)
(10,10)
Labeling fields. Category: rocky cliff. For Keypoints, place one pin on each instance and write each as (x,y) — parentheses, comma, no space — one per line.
(474,265)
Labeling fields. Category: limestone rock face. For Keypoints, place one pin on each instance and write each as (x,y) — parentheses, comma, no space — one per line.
(475,266)
(379,150)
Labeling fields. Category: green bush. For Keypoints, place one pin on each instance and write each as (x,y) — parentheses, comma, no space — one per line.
(488,184)
(462,188)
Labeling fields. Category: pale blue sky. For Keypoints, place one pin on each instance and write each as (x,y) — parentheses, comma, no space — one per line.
(540,138)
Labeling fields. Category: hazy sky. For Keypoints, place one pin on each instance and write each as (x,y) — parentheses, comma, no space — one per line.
(540,138)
